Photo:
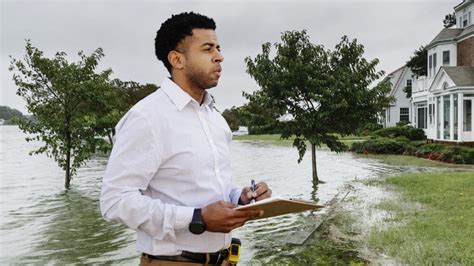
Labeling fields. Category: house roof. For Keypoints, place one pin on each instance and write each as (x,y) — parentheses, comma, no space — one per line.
(462,4)
(395,85)
(461,75)
(445,35)
(467,31)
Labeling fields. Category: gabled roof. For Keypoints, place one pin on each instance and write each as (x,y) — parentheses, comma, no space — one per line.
(395,85)
(460,75)
(445,35)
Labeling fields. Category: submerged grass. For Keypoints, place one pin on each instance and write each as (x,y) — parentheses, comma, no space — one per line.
(434,219)
(321,248)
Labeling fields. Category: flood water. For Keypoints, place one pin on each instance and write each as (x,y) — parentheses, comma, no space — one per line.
(41,223)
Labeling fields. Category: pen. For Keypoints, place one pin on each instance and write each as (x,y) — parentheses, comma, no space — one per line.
(253,187)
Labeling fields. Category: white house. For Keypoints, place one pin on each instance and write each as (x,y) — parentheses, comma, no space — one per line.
(399,111)
(442,101)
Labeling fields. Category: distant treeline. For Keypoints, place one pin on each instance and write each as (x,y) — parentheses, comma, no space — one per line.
(8,114)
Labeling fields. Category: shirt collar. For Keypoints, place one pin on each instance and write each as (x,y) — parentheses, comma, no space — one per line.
(180,98)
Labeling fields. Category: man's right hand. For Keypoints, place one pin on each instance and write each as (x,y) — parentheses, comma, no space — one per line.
(220,216)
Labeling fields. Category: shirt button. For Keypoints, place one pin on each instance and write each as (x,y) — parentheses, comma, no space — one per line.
(216,170)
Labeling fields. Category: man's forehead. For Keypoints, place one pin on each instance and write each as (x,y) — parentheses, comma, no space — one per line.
(203,36)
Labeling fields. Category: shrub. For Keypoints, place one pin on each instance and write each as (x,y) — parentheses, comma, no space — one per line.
(408,132)
(368,129)
(401,145)
(380,145)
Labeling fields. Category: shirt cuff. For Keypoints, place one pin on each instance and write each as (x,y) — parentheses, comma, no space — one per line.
(184,216)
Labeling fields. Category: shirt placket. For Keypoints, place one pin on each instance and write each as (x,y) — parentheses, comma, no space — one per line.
(202,114)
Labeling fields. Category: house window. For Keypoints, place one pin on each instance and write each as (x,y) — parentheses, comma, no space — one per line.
(465,19)
(467,115)
(445,58)
(430,64)
(404,115)
(434,64)
(445,85)
(409,83)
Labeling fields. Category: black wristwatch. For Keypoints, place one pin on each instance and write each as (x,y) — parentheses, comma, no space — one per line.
(197,226)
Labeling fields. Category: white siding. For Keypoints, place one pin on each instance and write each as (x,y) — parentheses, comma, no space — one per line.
(438,52)
(393,116)
(465,12)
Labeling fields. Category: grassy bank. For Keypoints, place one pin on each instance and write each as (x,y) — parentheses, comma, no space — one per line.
(432,223)
(408,160)
(276,139)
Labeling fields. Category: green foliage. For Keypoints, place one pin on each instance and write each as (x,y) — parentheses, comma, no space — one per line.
(408,132)
(381,146)
(260,114)
(325,91)
(417,62)
(448,154)
(407,91)
(73,104)
(10,115)
(132,92)
(232,118)
(369,128)
(419,148)
(449,20)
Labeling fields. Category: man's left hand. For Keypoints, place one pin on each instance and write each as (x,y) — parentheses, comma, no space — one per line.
(262,192)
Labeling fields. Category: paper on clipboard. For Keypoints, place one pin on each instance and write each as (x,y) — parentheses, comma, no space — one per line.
(278,206)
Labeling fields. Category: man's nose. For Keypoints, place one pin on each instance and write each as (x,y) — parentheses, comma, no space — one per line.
(219,58)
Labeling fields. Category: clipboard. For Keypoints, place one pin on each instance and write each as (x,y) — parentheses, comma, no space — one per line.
(279,206)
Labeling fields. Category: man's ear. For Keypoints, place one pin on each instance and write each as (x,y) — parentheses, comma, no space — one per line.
(176,59)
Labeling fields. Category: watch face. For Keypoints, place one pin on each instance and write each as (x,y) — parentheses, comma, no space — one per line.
(197,228)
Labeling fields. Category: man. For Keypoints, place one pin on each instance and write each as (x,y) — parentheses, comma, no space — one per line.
(169,176)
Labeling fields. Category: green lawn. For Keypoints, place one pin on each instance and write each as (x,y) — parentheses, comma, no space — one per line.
(432,222)
(408,160)
(275,138)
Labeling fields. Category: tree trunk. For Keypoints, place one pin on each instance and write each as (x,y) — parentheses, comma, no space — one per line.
(109,135)
(313,163)
(67,181)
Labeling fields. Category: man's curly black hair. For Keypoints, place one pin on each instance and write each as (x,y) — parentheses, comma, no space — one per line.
(175,29)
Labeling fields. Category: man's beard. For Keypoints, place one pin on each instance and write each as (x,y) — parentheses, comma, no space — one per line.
(199,78)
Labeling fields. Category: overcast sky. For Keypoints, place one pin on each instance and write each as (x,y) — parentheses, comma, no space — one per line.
(389,30)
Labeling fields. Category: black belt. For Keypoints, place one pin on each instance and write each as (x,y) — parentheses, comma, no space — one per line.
(186,256)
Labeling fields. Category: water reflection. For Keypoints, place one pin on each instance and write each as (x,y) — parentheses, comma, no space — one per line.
(76,233)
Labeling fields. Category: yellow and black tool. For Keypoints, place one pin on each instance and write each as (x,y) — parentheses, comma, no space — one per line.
(234,251)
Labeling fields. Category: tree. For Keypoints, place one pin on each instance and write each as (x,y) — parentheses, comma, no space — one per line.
(133,91)
(232,118)
(71,103)
(325,91)
(259,115)
(417,62)
(9,114)
(449,20)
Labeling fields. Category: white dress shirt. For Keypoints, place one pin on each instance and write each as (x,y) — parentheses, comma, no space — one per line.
(171,155)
